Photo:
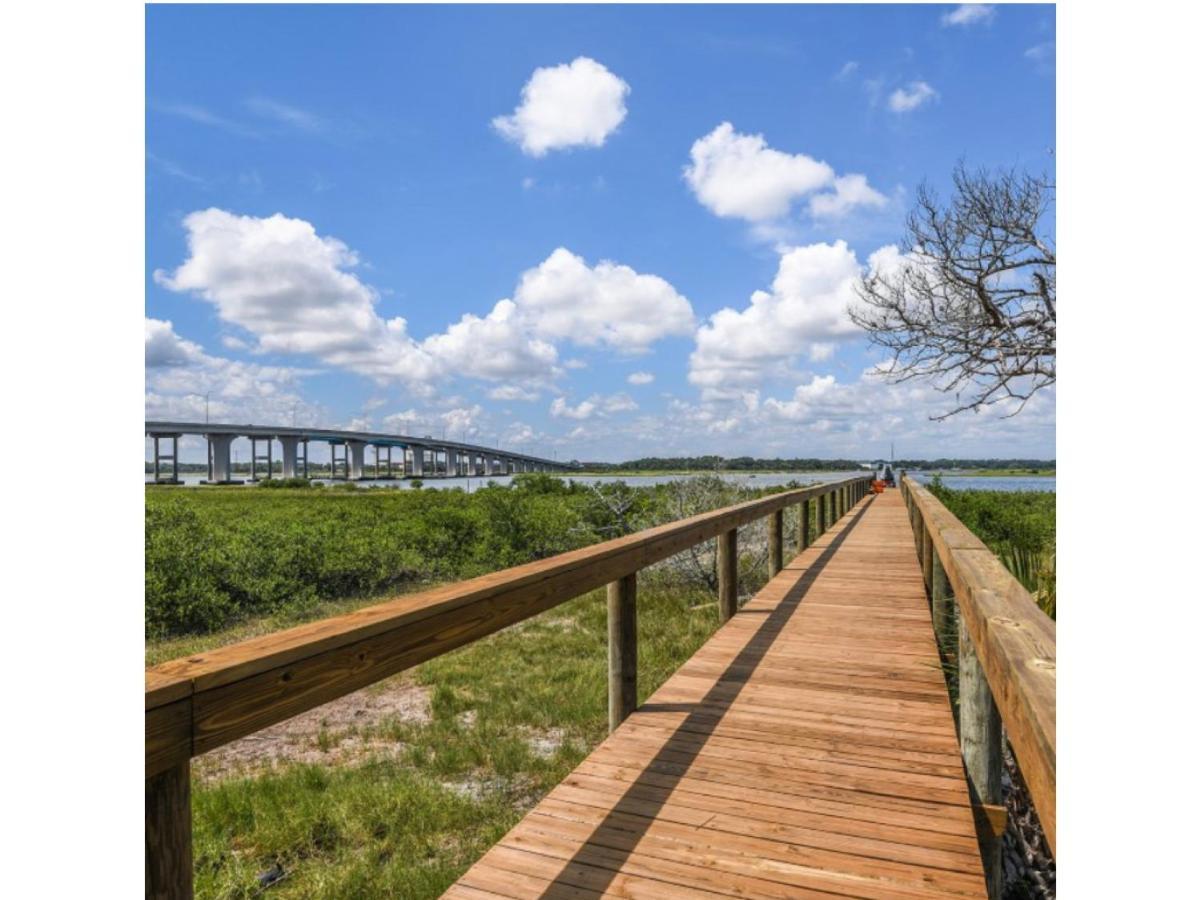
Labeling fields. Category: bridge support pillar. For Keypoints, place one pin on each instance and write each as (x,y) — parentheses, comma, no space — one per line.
(354,452)
(418,461)
(452,463)
(220,470)
(288,447)
(160,457)
(333,459)
(623,648)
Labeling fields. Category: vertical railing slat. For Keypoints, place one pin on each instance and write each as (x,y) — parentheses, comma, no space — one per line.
(775,543)
(169,834)
(623,648)
(980,738)
(727,574)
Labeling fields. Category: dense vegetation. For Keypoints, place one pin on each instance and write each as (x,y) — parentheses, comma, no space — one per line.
(1019,526)
(217,556)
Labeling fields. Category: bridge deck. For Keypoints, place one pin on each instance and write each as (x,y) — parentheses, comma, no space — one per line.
(807,750)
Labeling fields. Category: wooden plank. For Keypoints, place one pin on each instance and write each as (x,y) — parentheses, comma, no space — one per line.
(168,736)
(807,749)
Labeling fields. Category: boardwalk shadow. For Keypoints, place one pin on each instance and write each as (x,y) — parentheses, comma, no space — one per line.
(669,765)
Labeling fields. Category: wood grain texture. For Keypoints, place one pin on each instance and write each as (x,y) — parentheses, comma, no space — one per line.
(169,834)
(806,750)
(622,601)
(775,543)
(727,574)
(1014,641)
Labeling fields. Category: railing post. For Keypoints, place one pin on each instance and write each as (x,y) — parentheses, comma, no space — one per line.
(821,515)
(775,543)
(941,605)
(928,560)
(980,737)
(727,574)
(623,648)
(802,534)
(169,834)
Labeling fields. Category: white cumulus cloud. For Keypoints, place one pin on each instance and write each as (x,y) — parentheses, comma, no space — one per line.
(572,105)
(969,14)
(803,312)
(295,292)
(739,175)
(909,98)
(179,373)
(606,304)
(559,408)
(512,392)
(497,346)
(849,191)
(640,378)
(596,405)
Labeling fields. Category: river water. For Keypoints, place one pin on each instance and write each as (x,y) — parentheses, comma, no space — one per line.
(759,479)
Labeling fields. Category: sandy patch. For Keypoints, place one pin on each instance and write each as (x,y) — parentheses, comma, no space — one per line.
(546,743)
(338,733)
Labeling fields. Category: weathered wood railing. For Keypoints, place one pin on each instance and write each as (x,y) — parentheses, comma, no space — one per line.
(196,704)
(1006,658)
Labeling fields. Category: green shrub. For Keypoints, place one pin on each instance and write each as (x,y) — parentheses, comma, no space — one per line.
(1019,526)
(286,483)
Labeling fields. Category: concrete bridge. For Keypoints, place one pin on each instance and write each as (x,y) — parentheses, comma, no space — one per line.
(417,457)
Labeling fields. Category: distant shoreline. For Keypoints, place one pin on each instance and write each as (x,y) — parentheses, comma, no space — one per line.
(991,473)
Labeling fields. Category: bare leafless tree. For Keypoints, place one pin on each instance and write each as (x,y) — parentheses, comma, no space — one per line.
(970,302)
(701,493)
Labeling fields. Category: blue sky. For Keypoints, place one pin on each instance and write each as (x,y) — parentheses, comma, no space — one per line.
(356,217)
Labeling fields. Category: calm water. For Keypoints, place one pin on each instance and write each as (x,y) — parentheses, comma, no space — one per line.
(763,479)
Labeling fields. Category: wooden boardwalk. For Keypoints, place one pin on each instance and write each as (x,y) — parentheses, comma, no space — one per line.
(807,750)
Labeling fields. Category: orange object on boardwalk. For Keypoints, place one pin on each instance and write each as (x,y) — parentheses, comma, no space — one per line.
(878,486)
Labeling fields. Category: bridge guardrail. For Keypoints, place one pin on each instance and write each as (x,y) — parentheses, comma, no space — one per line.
(1006,654)
(198,703)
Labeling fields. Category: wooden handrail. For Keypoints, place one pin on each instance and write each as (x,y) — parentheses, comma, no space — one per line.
(1013,640)
(200,702)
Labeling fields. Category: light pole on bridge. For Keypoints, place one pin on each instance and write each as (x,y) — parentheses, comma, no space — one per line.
(205,395)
